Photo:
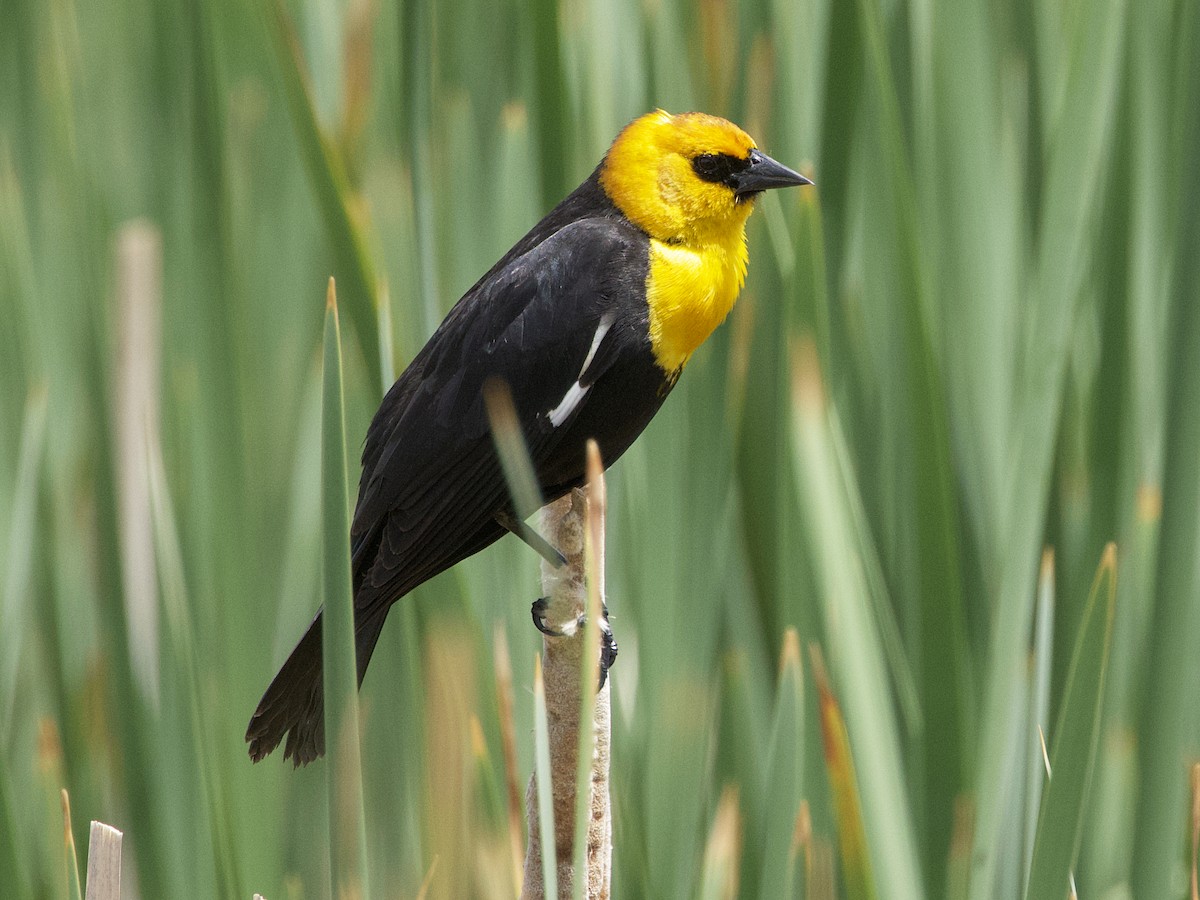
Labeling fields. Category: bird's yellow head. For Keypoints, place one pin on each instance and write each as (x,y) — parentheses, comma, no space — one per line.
(688,178)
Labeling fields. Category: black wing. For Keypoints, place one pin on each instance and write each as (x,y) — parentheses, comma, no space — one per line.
(431,482)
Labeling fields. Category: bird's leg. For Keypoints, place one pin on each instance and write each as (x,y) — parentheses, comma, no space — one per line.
(535,541)
(608,642)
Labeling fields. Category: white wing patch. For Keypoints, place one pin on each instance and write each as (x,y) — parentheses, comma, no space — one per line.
(570,400)
(576,392)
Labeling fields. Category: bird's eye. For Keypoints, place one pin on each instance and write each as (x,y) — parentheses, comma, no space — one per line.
(718,168)
(709,167)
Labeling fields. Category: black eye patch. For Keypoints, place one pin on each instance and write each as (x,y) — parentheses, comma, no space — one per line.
(718,168)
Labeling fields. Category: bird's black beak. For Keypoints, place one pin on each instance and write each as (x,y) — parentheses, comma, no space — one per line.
(762,174)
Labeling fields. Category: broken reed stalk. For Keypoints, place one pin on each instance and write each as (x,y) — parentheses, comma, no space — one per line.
(104,863)
(565,525)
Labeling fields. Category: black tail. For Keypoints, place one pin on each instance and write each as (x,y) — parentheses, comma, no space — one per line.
(294,704)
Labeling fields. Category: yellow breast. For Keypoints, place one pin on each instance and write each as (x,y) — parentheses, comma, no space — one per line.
(690,290)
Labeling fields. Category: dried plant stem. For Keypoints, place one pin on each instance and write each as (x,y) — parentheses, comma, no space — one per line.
(563,524)
(104,863)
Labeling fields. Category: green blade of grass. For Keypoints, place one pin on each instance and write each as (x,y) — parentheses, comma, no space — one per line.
(416,135)
(387,349)
(744,722)
(74,886)
(550,102)
(857,656)
(133,729)
(13,862)
(839,128)
(340,211)
(917,473)
(589,675)
(522,483)
(502,670)
(545,791)
(1075,163)
(785,772)
(347,817)
(839,762)
(976,231)
(1039,702)
(1060,823)
(719,875)
(168,560)
(20,552)
(1171,680)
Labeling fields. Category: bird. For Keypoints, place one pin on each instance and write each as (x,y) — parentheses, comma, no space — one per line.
(589,320)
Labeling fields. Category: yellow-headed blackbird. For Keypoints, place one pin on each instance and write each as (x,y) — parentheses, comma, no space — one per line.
(589,319)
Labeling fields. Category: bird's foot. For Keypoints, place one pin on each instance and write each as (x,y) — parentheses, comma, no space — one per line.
(608,642)
(608,648)
(538,610)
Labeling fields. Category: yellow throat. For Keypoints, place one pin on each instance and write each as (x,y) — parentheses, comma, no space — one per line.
(698,253)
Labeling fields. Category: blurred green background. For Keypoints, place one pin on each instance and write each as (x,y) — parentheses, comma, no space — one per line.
(977,338)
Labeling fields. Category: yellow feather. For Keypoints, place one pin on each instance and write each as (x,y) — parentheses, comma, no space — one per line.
(690,291)
(697,229)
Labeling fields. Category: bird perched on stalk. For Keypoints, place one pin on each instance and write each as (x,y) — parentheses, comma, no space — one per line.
(589,320)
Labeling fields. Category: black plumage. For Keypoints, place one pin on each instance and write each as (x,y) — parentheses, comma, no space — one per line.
(431,485)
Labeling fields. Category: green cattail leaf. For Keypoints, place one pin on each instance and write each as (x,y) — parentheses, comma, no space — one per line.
(347,816)
(589,674)
(74,885)
(20,550)
(854,635)
(719,879)
(1039,701)
(182,640)
(12,863)
(785,772)
(341,210)
(1170,677)
(522,482)
(1074,739)
(839,762)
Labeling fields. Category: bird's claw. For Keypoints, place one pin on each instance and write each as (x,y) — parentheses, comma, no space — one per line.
(608,642)
(538,610)
(608,648)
